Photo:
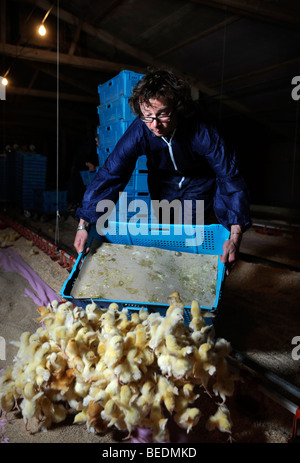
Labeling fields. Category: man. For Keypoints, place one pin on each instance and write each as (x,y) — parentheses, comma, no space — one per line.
(186,160)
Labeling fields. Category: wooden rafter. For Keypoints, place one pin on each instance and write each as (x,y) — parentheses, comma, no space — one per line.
(37,54)
(62,77)
(48,94)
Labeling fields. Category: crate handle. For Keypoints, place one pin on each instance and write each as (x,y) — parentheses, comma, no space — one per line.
(159,228)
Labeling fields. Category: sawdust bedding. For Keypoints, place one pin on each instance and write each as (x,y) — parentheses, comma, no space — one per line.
(270,424)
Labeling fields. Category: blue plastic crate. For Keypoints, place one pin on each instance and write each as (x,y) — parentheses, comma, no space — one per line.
(169,237)
(141,183)
(103,153)
(114,111)
(120,85)
(110,134)
(141,163)
(87,176)
(49,201)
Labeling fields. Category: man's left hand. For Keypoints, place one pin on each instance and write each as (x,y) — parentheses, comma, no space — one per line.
(231,248)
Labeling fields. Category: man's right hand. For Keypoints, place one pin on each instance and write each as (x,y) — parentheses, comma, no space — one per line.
(80,241)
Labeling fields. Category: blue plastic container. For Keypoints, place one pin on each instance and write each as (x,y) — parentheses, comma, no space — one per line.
(141,163)
(120,85)
(103,153)
(31,170)
(49,201)
(87,176)
(141,183)
(114,111)
(169,237)
(110,134)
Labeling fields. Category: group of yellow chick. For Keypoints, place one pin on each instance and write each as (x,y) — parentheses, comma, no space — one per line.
(8,237)
(114,370)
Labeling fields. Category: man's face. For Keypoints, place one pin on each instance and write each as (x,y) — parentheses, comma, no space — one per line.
(159,108)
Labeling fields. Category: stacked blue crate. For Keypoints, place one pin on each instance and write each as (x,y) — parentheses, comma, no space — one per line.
(31,170)
(115,116)
(7,177)
(49,201)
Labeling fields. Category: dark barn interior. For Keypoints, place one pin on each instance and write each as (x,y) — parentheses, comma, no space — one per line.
(242,61)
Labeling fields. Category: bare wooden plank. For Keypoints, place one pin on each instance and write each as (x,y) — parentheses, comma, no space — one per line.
(37,54)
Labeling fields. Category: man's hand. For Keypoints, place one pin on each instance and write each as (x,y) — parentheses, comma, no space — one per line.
(81,237)
(231,248)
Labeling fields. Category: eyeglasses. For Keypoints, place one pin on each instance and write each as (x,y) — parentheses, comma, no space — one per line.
(150,119)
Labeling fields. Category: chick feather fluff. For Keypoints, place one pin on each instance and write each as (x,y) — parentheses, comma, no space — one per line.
(112,370)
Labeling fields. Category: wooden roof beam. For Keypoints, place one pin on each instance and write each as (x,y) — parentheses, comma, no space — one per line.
(48,94)
(46,56)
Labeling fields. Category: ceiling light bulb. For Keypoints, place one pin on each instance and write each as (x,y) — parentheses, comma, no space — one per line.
(4,81)
(42,30)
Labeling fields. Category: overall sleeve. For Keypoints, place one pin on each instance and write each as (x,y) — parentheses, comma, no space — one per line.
(112,178)
(231,200)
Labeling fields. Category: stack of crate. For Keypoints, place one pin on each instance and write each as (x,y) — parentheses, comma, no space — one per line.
(7,177)
(31,171)
(50,201)
(115,116)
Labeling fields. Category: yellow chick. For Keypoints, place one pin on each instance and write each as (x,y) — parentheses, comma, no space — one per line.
(220,420)
(127,372)
(81,388)
(182,367)
(197,320)
(225,380)
(46,315)
(157,422)
(93,313)
(187,418)
(95,422)
(110,412)
(174,301)
(82,416)
(114,351)
(108,322)
(141,338)
(61,381)
(143,314)
(61,313)
(146,396)
(168,392)
(30,408)
(131,417)
(175,349)
(188,392)
(42,375)
(113,306)
(168,325)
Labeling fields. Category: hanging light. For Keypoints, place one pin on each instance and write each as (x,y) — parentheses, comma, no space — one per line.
(42,30)
(4,81)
